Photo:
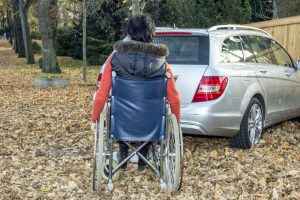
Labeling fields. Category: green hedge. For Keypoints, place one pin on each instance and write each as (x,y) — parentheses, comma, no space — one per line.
(36,47)
(69,43)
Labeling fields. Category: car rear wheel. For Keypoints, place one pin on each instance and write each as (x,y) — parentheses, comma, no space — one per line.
(251,127)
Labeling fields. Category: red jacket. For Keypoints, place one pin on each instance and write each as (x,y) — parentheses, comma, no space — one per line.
(106,82)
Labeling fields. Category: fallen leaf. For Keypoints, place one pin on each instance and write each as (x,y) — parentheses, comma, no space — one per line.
(45,188)
(275,194)
(213,154)
(262,182)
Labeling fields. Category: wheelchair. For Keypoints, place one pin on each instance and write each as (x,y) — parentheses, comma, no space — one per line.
(137,112)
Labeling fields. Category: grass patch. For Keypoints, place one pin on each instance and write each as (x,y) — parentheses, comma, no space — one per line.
(53,75)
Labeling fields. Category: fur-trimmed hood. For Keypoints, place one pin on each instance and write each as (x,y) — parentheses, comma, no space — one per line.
(139,59)
(132,46)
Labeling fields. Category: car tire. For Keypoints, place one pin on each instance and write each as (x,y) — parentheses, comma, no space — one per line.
(251,128)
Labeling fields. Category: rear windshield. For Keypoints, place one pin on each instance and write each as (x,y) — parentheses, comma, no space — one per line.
(186,49)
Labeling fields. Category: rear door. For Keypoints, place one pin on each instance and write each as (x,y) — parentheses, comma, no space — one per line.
(290,75)
(188,58)
(269,75)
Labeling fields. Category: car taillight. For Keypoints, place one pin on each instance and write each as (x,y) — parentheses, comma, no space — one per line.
(99,81)
(210,88)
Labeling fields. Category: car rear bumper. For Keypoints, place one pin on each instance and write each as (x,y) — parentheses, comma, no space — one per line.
(211,119)
(211,125)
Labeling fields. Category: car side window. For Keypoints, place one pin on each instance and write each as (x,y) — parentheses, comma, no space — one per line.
(260,49)
(280,55)
(232,50)
(248,52)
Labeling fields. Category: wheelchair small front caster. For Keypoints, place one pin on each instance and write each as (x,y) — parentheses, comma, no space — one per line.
(110,185)
(162,185)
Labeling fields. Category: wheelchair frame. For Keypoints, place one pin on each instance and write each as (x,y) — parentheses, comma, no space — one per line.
(168,164)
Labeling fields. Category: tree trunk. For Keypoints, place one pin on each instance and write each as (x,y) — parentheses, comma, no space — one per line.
(135,7)
(118,32)
(84,41)
(8,15)
(11,29)
(19,39)
(48,23)
(2,22)
(26,33)
(19,44)
(9,24)
(13,36)
(275,11)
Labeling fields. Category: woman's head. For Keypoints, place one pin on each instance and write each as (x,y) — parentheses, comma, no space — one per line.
(141,28)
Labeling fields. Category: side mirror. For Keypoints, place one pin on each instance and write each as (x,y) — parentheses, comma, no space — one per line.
(298,64)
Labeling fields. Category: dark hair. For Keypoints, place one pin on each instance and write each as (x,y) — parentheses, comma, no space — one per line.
(141,28)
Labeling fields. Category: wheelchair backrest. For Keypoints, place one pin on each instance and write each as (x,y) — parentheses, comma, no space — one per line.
(138,109)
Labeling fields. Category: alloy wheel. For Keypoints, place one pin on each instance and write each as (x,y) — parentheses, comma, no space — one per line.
(255,124)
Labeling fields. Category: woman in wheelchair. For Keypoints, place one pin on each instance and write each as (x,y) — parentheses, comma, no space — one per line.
(142,93)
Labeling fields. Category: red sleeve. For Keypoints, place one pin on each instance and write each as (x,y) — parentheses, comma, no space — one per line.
(103,91)
(172,94)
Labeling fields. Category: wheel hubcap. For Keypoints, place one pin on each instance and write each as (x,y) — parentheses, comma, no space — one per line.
(255,124)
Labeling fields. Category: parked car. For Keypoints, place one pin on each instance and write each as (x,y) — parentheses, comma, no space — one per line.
(233,80)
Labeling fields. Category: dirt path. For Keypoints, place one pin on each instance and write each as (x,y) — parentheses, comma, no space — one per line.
(46,149)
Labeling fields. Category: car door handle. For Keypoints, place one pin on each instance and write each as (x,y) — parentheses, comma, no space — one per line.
(261,70)
(288,74)
(175,77)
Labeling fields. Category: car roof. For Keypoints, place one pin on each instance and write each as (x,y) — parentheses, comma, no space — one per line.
(226,33)
(193,31)
(222,33)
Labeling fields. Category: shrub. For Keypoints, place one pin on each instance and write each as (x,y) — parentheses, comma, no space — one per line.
(69,43)
(35,31)
(64,39)
(36,47)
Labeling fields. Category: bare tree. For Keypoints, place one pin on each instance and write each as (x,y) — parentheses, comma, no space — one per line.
(92,7)
(17,30)
(275,11)
(26,33)
(48,11)
(84,41)
(135,7)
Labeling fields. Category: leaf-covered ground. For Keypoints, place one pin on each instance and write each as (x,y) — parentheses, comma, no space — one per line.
(46,148)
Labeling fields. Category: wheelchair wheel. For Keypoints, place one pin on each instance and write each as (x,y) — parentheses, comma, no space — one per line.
(173,161)
(100,151)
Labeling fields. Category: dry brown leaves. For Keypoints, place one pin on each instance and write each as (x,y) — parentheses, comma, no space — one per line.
(46,148)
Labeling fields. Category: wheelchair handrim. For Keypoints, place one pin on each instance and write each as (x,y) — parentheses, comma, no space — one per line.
(100,156)
(173,161)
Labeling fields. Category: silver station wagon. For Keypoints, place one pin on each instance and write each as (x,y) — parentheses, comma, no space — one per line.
(233,80)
